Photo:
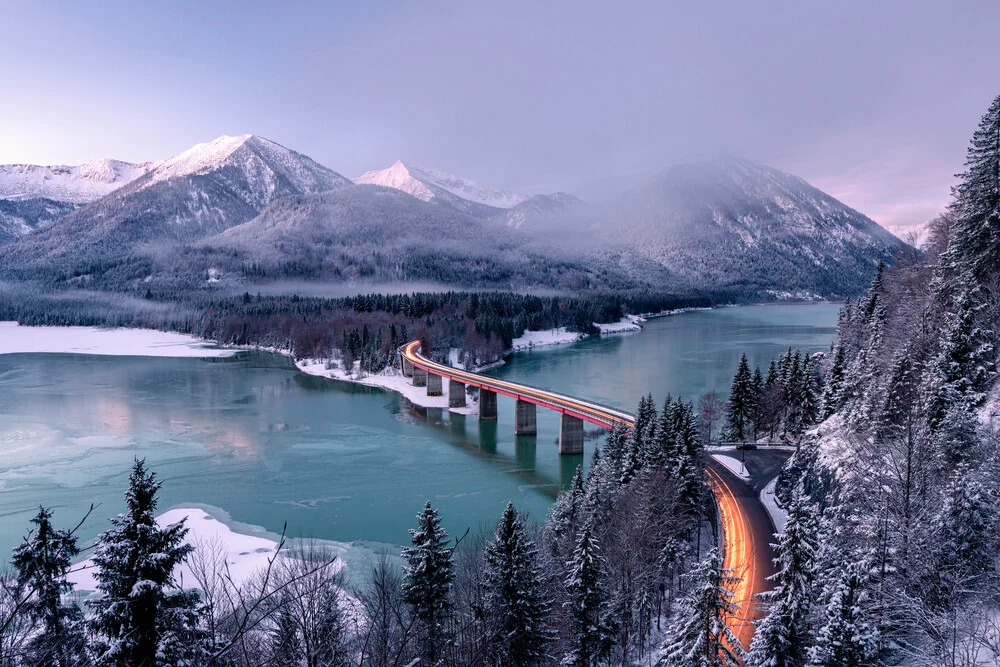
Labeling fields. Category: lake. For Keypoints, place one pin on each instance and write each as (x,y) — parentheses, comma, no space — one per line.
(253,436)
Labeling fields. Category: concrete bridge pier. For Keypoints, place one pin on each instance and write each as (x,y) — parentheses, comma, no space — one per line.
(456,394)
(570,435)
(434,385)
(419,376)
(525,422)
(405,367)
(487,404)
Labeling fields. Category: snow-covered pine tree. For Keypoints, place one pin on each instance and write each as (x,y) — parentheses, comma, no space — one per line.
(757,387)
(966,362)
(875,291)
(782,638)
(848,637)
(516,607)
(142,616)
(661,451)
(41,563)
(427,584)
(614,447)
(699,635)
(592,632)
(975,242)
(739,409)
(834,392)
(566,516)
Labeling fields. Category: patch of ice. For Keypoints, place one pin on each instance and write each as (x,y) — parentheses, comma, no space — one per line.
(15,339)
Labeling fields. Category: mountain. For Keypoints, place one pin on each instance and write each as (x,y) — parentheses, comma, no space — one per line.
(202,191)
(429,185)
(733,225)
(540,209)
(81,184)
(368,232)
(23,216)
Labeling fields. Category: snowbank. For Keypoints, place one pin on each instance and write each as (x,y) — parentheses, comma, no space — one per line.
(391,379)
(734,465)
(245,554)
(92,340)
(627,324)
(778,515)
(547,337)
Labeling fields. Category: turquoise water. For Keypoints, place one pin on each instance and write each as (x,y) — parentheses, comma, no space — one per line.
(270,445)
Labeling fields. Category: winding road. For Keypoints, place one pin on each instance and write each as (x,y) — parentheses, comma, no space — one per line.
(746,526)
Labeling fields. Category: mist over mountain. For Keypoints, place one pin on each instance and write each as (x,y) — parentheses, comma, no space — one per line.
(242,210)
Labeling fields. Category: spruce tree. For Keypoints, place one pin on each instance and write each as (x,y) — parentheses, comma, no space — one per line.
(834,394)
(591,640)
(516,607)
(700,635)
(566,516)
(142,617)
(41,563)
(430,572)
(848,637)
(782,638)
(739,410)
(975,244)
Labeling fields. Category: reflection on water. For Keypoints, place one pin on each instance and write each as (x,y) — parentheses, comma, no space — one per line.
(253,436)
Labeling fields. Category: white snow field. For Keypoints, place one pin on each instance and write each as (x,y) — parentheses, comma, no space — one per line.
(778,515)
(16,339)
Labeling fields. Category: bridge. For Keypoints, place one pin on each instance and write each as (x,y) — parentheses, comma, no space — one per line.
(746,526)
(575,411)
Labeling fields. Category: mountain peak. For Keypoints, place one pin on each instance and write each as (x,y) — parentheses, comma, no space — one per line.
(428,184)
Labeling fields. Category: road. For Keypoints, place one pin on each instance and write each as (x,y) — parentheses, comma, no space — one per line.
(746,526)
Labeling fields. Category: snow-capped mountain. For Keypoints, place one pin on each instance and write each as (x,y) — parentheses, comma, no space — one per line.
(202,191)
(427,184)
(737,225)
(79,184)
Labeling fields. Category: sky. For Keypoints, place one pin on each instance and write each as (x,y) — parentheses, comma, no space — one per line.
(873,102)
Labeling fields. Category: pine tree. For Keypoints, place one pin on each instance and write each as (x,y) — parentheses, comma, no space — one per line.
(592,634)
(782,637)
(700,636)
(142,617)
(966,363)
(833,396)
(566,516)
(848,638)
(41,563)
(975,244)
(739,410)
(430,572)
(875,290)
(515,606)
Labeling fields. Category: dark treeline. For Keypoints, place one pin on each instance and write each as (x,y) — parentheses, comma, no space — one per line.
(364,328)
(624,569)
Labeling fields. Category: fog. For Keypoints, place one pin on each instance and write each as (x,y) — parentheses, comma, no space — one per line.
(872,102)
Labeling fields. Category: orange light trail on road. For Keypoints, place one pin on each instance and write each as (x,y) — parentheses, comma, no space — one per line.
(738,552)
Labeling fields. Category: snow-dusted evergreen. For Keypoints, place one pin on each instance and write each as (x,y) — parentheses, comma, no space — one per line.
(41,563)
(427,588)
(516,607)
(143,617)
(700,635)
(591,640)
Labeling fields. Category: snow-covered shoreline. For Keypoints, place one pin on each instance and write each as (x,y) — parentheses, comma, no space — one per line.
(17,339)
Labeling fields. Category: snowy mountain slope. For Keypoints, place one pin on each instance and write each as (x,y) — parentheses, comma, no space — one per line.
(427,184)
(200,192)
(22,216)
(541,208)
(77,185)
(733,224)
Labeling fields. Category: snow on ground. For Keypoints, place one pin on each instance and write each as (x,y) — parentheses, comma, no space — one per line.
(778,515)
(531,339)
(627,324)
(245,554)
(390,379)
(116,342)
(734,465)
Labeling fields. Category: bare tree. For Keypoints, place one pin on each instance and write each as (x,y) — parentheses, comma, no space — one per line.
(710,413)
